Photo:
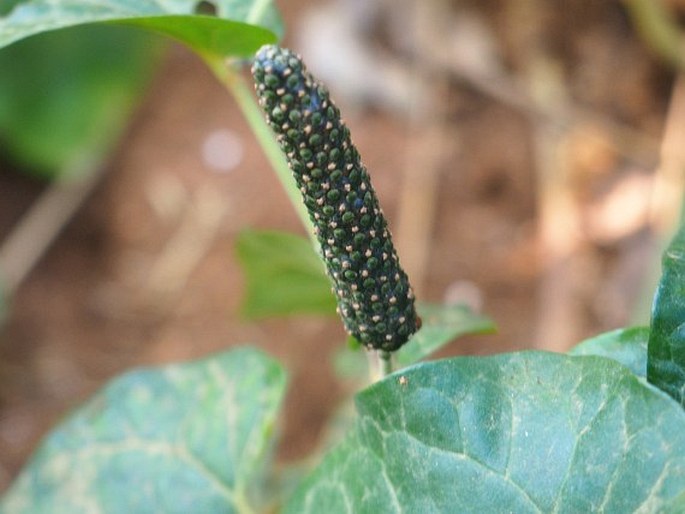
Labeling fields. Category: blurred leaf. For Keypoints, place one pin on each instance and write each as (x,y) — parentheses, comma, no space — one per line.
(525,432)
(666,350)
(627,346)
(6,6)
(441,324)
(239,28)
(184,438)
(353,343)
(283,275)
(69,94)
(351,364)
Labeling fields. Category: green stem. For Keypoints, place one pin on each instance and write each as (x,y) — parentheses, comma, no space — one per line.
(386,363)
(380,364)
(658,26)
(235,84)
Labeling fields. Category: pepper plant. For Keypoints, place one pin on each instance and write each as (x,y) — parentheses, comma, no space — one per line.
(600,429)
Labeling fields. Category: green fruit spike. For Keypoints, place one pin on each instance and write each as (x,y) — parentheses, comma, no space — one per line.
(375,300)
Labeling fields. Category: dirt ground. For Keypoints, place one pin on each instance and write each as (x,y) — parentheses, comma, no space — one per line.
(146,272)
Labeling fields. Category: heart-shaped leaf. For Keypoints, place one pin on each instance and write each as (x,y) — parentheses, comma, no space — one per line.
(184,438)
(529,432)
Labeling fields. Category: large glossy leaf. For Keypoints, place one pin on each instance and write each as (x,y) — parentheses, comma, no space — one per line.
(527,433)
(666,352)
(283,275)
(239,28)
(178,439)
(67,95)
(625,345)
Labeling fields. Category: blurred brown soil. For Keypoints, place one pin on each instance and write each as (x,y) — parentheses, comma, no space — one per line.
(92,308)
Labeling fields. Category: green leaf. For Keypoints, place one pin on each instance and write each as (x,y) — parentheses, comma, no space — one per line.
(529,432)
(351,364)
(239,28)
(283,275)
(7,5)
(70,93)
(184,438)
(627,346)
(441,324)
(666,350)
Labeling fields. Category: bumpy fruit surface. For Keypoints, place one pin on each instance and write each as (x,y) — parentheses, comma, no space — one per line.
(375,300)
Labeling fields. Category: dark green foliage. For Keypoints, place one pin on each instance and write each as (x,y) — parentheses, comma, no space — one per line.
(375,300)
(523,433)
(666,348)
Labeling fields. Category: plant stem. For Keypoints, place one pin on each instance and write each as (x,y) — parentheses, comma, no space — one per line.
(385,363)
(659,28)
(235,84)
(380,364)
